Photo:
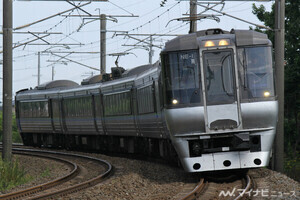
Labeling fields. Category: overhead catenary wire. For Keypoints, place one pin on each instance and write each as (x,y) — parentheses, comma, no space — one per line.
(237,18)
(108,38)
(114,41)
(157,17)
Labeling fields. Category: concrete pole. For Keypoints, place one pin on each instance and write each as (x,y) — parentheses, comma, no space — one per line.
(103,43)
(7,80)
(52,73)
(150,50)
(39,68)
(193,14)
(279,67)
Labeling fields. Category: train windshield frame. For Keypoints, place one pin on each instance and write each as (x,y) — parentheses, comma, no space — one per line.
(181,71)
(256,72)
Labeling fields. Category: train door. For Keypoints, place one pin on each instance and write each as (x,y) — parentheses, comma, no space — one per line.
(56,118)
(98,113)
(221,103)
(147,118)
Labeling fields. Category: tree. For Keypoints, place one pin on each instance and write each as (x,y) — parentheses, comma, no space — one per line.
(15,134)
(292,69)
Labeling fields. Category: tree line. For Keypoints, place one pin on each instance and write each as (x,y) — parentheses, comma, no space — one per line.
(292,78)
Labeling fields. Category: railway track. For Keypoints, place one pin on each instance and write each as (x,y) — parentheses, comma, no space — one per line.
(236,187)
(83,175)
(236,190)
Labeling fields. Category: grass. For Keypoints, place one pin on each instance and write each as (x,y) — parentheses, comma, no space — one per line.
(12,175)
(46,173)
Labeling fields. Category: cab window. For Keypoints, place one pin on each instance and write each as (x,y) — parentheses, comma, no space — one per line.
(181,76)
(256,72)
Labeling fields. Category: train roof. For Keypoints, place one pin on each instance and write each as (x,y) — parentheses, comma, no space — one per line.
(140,69)
(241,37)
(66,87)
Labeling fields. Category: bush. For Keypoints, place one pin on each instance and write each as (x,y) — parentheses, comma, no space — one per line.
(11,175)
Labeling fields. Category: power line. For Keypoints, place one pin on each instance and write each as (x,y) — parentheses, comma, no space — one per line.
(157,17)
(223,13)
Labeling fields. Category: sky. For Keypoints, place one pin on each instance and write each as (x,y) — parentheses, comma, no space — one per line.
(152,19)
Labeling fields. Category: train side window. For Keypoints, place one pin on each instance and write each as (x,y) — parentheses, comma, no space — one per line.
(35,106)
(25,109)
(97,105)
(55,108)
(34,109)
(43,108)
(22,109)
(72,111)
(88,106)
(78,107)
(66,107)
(117,104)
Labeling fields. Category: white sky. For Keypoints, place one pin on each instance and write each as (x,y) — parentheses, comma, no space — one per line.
(25,60)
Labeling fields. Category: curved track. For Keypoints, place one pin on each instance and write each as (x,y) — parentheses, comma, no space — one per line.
(72,182)
(246,193)
(196,191)
(236,190)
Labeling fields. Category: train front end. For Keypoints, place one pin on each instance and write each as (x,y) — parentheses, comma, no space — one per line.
(219,99)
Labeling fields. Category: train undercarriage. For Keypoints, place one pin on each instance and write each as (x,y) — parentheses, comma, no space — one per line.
(157,148)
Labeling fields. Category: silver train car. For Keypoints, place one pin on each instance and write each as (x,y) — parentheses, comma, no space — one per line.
(210,103)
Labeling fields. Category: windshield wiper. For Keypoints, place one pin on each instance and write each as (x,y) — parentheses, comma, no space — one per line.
(222,76)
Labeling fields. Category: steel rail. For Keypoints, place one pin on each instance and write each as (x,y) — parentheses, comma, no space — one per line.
(44,186)
(77,187)
(246,190)
(196,192)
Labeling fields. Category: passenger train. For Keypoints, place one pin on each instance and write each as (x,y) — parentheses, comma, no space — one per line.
(209,103)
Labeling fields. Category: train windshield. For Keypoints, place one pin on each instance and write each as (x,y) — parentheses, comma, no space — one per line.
(181,73)
(219,77)
(256,72)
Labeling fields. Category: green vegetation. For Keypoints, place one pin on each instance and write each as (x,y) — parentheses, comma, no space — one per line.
(46,172)
(15,134)
(12,175)
(292,80)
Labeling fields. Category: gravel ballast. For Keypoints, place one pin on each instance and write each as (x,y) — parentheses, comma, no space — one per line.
(141,180)
(40,171)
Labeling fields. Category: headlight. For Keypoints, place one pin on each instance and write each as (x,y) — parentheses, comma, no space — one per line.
(175,101)
(267,94)
(223,42)
(209,44)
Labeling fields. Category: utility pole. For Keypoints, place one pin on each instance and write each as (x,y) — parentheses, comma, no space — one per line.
(39,68)
(52,73)
(279,66)
(7,80)
(193,16)
(103,18)
(150,50)
(103,43)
